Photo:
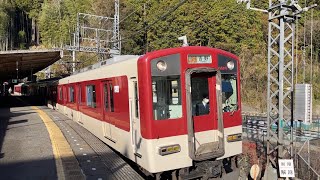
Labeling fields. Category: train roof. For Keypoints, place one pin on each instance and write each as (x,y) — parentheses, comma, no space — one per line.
(121,58)
(113,60)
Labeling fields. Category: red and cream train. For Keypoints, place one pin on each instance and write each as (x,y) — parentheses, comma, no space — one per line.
(151,109)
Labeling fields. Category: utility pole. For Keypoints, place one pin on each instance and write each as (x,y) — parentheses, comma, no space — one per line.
(283,15)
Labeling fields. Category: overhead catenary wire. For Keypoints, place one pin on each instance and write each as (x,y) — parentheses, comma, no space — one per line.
(311,45)
(139,8)
(304,45)
(162,17)
(297,43)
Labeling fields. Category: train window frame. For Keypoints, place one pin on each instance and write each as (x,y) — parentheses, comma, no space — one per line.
(71,94)
(91,96)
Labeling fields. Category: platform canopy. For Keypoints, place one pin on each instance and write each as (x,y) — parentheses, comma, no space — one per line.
(23,63)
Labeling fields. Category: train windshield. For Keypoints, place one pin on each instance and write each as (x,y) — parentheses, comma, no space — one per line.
(229,92)
(166,92)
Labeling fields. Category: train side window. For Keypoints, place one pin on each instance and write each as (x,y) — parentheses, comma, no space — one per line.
(136,99)
(71,94)
(91,96)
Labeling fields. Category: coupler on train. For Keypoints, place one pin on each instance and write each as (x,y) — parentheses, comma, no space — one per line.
(226,169)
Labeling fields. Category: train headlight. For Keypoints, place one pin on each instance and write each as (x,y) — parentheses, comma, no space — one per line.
(165,150)
(230,65)
(161,65)
(234,137)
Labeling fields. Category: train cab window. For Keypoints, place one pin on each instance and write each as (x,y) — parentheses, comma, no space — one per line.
(91,96)
(200,95)
(71,94)
(229,92)
(166,92)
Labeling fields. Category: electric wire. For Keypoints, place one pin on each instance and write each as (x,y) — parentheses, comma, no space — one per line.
(311,45)
(162,17)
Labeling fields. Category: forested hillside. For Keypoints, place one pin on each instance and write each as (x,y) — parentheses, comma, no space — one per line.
(216,23)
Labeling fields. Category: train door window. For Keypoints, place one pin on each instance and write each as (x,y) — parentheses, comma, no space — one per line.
(166,97)
(200,94)
(71,94)
(91,96)
(136,99)
(229,92)
(64,93)
(60,93)
(106,97)
(111,98)
(79,94)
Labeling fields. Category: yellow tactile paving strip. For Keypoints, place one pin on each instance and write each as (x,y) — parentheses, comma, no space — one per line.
(60,146)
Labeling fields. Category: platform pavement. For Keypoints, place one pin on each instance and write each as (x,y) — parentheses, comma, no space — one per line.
(26,151)
(97,160)
(25,147)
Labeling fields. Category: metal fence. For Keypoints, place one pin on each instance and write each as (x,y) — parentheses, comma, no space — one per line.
(305,163)
(255,127)
(306,138)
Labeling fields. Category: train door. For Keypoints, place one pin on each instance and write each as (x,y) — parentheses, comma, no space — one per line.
(134,117)
(204,113)
(107,110)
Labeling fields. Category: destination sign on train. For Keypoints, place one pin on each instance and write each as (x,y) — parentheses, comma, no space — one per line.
(199,59)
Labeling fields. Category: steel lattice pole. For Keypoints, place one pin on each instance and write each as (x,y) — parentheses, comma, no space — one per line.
(280,81)
(116,30)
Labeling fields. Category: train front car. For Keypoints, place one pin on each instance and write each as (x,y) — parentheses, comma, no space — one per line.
(190,112)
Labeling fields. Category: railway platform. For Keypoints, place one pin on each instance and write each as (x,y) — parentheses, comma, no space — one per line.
(40,143)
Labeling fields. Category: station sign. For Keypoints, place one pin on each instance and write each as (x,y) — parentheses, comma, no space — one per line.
(286,167)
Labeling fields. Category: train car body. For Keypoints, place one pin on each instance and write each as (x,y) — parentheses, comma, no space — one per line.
(172,109)
(17,89)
